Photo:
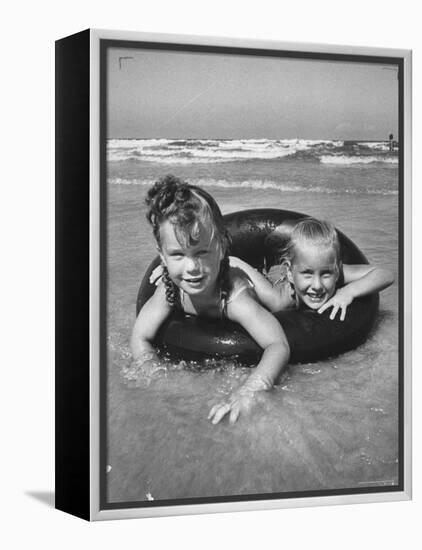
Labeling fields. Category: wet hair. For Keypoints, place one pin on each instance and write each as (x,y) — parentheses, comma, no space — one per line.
(310,231)
(188,208)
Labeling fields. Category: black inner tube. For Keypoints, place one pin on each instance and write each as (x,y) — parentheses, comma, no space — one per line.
(311,336)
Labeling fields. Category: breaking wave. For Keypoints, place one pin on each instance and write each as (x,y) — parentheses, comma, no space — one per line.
(210,151)
(260,185)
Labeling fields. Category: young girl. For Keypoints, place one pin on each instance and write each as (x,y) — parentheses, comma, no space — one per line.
(193,245)
(312,275)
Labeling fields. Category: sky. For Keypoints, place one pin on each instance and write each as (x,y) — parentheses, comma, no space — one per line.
(163,94)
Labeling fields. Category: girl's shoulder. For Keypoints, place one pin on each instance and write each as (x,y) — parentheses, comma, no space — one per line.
(239,282)
(277,274)
(278,277)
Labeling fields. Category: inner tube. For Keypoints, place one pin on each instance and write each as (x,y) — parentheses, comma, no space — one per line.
(311,336)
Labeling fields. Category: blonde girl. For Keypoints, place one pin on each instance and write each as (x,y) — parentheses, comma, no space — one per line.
(311,273)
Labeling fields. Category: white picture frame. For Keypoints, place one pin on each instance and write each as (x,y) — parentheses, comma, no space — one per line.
(82,356)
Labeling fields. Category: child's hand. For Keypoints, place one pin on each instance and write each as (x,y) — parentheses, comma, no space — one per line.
(156,275)
(236,262)
(341,299)
(142,369)
(239,401)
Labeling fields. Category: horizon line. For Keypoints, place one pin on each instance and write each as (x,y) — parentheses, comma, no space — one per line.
(270,139)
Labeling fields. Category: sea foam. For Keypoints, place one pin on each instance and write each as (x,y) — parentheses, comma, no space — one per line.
(350,160)
(211,151)
(261,185)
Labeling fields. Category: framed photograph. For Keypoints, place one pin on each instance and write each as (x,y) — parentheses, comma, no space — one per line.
(233,275)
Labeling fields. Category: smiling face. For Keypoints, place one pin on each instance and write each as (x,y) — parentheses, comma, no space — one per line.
(314,272)
(194,268)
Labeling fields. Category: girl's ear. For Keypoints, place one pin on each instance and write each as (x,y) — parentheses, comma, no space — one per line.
(288,265)
(163,261)
(222,248)
(340,268)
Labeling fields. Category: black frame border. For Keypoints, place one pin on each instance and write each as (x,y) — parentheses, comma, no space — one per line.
(72,292)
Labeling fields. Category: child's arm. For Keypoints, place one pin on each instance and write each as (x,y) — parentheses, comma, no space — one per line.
(267,332)
(359,280)
(150,318)
(269,296)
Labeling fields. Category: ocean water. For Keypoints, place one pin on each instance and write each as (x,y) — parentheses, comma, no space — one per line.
(328,425)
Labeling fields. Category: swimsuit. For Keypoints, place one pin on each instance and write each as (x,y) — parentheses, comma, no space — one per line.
(223,302)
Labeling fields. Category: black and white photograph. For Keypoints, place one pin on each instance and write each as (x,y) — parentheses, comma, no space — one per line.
(252,231)
(210,222)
